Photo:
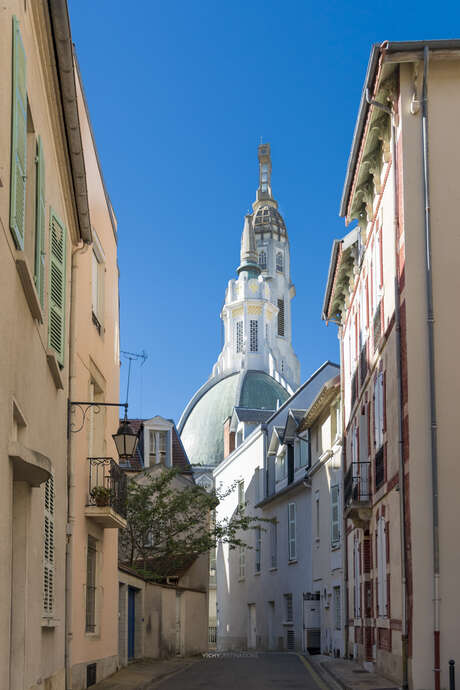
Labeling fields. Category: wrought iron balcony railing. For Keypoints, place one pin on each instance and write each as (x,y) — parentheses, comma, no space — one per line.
(357,484)
(107,485)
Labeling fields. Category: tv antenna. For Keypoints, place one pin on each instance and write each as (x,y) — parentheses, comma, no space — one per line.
(133,357)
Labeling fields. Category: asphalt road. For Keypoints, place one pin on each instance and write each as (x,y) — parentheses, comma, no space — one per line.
(239,672)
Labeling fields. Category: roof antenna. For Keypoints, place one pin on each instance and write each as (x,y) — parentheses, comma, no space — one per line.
(133,356)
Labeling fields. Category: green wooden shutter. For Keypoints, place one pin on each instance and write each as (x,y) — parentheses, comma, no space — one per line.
(18,140)
(57,301)
(39,273)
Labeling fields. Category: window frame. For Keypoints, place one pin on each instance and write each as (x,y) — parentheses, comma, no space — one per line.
(292,529)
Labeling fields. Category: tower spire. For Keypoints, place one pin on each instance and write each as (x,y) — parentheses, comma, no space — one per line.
(264,191)
(248,253)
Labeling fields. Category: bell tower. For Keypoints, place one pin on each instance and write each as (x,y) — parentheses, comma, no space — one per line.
(257,309)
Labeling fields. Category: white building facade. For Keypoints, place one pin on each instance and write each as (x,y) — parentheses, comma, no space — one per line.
(267,594)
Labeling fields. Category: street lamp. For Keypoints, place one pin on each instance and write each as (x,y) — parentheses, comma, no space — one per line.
(125,439)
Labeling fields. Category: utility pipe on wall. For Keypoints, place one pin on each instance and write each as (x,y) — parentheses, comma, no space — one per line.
(431,373)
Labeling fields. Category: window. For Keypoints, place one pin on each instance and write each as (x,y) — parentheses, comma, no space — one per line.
(281,317)
(292,532)
(288,607)
(317,518)
(274,544)
(381,568)
(258,540)
(239,336)
(241,495)
(257,484)
(300,453)
(253,333)
(158,451)
(378,410)
(263,260)
(335,515)
(356,583)
(48,548)
(279,262)
(337,608)
(242,561)
(264,172)
(39,249)
(280,466)
(97,282)
(91,559)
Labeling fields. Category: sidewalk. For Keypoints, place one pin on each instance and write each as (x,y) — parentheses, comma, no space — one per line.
(349,675)
(140,674)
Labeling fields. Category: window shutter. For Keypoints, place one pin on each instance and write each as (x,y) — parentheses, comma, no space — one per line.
(48,556)
(291,531)
(335,521)
(18,140)
(40,225)
(281,317)
(56,328)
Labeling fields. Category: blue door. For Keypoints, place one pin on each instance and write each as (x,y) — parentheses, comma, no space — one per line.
(131,621)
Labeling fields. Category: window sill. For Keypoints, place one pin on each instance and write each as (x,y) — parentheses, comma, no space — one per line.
(50,622)
(287,623)
(55,369)
(241,579)
(293,561)
(273,570)
(257,573)
(28,286)
(93,635)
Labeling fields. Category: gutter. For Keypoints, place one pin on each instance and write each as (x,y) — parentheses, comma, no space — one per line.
(65,68)
(431,373)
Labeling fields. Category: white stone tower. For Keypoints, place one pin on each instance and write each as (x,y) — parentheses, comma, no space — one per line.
(257,309)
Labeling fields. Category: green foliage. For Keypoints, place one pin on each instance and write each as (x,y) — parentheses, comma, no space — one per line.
(170,525)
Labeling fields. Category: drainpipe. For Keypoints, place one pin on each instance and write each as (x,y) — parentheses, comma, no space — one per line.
(402,488)
(344,521)
(70,476)
(431,373)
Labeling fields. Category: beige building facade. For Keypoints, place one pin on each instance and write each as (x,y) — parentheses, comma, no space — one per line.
(43,217)
(392,287)
(97,487)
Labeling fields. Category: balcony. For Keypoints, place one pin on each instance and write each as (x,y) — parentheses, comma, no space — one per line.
(357,493)
(107,493)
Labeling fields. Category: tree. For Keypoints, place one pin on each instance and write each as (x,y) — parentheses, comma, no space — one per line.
(170,523)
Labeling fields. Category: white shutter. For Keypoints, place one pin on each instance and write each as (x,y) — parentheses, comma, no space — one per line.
(291,531)
(381,568)
(48,548)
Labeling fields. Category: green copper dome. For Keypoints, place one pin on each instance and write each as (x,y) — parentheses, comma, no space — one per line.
(202,424)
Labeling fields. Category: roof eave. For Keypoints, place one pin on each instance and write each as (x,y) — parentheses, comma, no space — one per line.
(66,72)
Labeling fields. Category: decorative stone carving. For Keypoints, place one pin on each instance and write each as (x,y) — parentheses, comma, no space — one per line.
(374,159)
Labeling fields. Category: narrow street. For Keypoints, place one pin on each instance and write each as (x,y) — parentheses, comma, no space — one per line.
(252,672)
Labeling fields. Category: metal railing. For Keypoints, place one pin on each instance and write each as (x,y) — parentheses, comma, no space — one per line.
(212,635)
(107,484)
(357,484)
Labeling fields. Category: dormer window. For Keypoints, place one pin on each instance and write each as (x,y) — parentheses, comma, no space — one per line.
(158,447)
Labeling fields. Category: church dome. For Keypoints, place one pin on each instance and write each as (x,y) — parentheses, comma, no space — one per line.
(202,424)
(268,219)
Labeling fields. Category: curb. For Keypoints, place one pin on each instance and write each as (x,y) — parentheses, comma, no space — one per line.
(152,683)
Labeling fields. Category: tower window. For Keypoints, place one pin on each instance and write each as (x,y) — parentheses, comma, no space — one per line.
(239,336)
(264,173)
(263,260)
(281,317)
(279,262)
(253,332)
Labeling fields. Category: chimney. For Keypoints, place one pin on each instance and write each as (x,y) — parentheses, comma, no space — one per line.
(229,438)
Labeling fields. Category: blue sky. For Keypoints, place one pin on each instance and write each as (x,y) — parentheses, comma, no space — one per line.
(179,95)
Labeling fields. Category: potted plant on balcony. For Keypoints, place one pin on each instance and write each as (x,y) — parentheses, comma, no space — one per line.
(101,495)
